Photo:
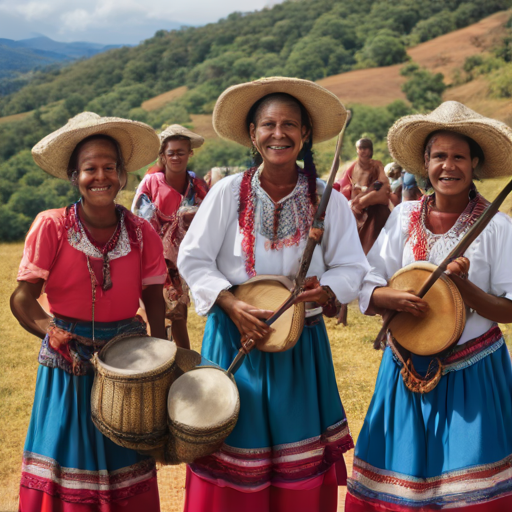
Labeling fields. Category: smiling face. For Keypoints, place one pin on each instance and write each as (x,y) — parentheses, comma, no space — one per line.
(278,133)
(175,156)
(98,179)
(450,167)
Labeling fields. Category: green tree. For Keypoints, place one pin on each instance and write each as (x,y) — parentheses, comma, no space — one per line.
(385,49)
(422,88)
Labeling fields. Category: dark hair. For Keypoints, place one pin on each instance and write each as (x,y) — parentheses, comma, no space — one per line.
(164,144)
(306,153)
(72,170)
(475,150)
(365,142)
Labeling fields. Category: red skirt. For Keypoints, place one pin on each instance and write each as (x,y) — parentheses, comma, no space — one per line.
(33,499)
(307,496)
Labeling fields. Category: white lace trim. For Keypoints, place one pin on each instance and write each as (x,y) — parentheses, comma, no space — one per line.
(79,241)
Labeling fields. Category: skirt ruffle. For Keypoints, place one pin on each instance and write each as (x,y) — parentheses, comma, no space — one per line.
(449,448)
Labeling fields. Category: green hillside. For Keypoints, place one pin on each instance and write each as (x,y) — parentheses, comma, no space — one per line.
(306,38)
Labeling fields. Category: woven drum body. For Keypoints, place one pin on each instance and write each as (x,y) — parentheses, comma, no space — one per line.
(129,394)
(442,325)
(203,407)
(269,292)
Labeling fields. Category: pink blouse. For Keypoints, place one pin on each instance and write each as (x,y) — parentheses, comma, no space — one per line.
(58,253)
(166,198)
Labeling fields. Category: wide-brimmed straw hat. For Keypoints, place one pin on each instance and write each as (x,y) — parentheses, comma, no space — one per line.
(138,141)
(325,110)
(407,137)
(176,129)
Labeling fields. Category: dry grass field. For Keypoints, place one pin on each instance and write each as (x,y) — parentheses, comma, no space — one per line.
(355,361)
(160,100)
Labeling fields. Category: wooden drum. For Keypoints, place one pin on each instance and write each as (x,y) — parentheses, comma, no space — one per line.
(203,407)
(129,394)
(269,292)
(442,326)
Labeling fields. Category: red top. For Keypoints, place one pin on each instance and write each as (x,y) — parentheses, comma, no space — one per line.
(344,185)
(166,198)
(57,249)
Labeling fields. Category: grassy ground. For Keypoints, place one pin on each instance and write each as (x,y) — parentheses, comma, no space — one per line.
(356,366)
(355,361)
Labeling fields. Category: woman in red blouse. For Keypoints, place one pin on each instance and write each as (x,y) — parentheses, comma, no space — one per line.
(95,261)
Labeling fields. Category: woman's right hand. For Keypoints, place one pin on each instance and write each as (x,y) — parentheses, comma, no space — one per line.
(247,318)
(398,300)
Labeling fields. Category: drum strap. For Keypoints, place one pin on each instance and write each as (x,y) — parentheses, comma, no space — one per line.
(412,380)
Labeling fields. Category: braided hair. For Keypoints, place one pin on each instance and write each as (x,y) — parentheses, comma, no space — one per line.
(306,153)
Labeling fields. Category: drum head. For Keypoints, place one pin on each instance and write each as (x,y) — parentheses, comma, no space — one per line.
(138,354)
(265,292)
(203,398)
(442,325)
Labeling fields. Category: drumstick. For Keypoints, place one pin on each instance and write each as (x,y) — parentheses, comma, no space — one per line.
(314,238)
(456,252)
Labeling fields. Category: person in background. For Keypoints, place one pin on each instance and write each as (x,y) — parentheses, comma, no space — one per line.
(168,197)
(96,261)
(366,186)
(410,189)
(394,173)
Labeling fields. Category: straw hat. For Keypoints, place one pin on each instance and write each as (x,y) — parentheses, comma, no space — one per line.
(407,137)
(325,110)
(196,140)
(138,141)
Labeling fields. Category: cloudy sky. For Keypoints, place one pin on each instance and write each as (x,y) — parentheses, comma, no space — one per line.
(111,21)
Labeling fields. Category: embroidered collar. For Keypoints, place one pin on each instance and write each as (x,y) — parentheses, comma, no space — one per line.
(283,223)
(422,239)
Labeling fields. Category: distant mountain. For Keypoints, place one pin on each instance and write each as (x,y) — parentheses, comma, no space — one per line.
(18,57)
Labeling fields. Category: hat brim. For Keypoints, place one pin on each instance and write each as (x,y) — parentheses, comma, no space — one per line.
(196,141)
(327,113)
(139,144)
(407,138)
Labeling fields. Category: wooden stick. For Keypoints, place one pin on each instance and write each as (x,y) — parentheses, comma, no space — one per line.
(456,252)
(313,240)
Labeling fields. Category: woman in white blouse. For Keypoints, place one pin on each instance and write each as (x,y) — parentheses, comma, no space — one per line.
(286,451)
(452,446)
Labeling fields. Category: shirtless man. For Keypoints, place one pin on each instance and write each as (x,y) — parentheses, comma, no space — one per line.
(366,186)
(367,189)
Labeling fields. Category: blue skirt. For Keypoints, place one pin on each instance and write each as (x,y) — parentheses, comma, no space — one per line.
(67,457)
(451,446)
(292,425)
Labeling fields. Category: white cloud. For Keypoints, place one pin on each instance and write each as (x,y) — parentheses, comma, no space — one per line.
(110,21)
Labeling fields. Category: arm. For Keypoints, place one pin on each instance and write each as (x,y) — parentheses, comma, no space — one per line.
(380,196)
(197,261)
(153,299)
(342,253)
(497,309)
(24,306)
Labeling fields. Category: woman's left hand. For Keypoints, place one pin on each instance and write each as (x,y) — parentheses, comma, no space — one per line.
(313,292)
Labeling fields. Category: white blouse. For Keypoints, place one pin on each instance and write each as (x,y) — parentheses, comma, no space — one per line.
(211,258)
(489,256)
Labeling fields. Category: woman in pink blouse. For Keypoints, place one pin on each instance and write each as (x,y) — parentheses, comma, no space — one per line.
(95,261)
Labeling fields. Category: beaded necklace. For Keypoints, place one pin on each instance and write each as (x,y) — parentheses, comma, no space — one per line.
(422,239)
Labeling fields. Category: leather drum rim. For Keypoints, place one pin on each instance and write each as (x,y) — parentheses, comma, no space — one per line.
(296,326)
(428,345)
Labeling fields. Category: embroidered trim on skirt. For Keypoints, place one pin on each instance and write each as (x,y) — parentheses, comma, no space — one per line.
(291,426)
(449,448)
(67,457)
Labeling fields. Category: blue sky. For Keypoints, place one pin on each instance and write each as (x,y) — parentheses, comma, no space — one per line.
(111,21)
